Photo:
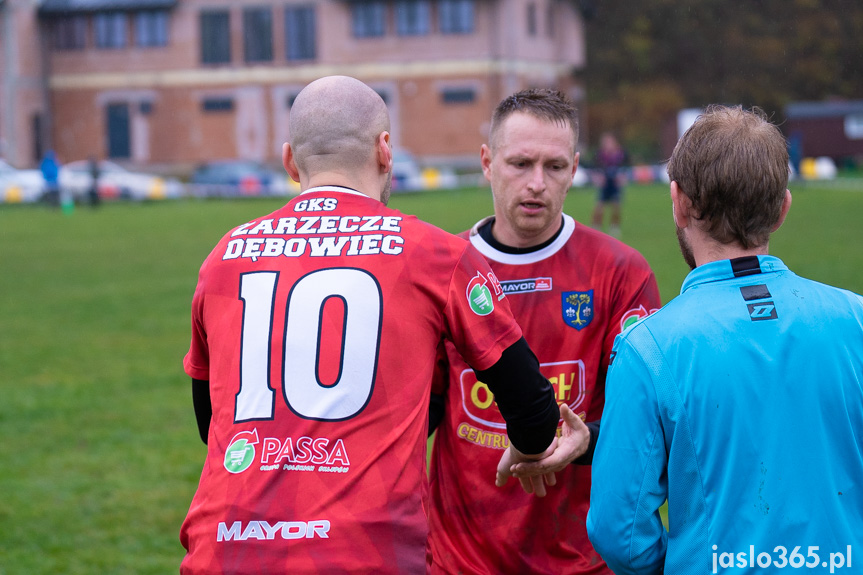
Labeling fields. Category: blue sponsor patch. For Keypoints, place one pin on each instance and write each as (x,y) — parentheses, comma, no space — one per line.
(577,308)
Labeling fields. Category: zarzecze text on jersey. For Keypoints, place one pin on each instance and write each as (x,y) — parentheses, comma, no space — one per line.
(364,241)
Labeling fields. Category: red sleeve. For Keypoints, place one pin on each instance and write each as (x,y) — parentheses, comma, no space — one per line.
(478,316)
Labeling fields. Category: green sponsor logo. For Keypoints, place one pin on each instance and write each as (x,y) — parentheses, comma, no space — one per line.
(480,300)
(241,452)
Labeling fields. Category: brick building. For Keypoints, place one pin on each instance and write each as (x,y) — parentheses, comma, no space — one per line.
(172,83)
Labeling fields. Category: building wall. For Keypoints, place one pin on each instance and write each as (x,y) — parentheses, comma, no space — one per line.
(167,88)
(22,84)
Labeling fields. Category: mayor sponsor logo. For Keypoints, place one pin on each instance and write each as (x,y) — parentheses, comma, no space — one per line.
(526,285)
(266,531)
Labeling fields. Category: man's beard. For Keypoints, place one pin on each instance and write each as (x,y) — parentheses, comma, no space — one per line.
(388,187)
(685,249)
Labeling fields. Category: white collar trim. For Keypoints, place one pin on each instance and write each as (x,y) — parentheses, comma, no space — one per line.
(521,259)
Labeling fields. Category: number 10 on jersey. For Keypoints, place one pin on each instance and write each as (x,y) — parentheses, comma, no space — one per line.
(303,318)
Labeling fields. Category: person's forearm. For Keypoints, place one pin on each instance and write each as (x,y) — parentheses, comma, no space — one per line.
(525,398)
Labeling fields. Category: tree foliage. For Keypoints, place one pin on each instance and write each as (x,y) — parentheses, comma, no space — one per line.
(649,58)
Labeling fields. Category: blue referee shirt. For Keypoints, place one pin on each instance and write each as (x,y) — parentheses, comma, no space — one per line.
(741,403)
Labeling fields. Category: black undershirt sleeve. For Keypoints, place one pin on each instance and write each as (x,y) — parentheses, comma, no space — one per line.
(586,458)
(436,412)
(203,407)
(525,398)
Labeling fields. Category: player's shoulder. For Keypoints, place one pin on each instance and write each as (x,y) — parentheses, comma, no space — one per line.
(603,246)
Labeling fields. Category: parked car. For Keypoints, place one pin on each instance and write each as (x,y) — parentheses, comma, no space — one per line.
(116,182)
(18,186)
(408,176)
(240,178)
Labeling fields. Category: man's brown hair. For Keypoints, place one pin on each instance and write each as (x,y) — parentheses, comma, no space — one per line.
(733,165)
(543,103)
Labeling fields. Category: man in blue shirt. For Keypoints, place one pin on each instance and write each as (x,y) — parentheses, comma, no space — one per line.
(740,401)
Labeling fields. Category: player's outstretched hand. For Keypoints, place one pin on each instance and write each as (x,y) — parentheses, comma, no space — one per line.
(573,442)
(531,484)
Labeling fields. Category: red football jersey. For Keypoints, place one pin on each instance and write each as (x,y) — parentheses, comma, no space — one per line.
(317,328)
(571,299)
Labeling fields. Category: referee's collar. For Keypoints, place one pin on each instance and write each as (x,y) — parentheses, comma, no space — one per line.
(730,269)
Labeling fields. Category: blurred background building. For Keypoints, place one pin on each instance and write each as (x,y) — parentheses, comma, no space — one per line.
(173,83)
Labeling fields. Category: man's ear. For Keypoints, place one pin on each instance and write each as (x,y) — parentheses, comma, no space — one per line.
(786,205)
(485,160)
(681,206)
(574,165)
(289,163)
(384,153)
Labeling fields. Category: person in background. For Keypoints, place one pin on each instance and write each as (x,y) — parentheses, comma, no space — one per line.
(50,168)
(741,401)
(93,191)
(572,290)
(314,337)
(611,161)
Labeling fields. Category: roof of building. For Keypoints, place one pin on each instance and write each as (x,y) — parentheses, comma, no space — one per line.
(828,109)
(58,7)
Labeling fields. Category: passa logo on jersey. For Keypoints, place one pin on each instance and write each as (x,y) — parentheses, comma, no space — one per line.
(567,378)
(319,454)
(479,295)
(526,285)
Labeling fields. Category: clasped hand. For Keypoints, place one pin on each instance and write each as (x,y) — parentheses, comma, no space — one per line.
(534,472)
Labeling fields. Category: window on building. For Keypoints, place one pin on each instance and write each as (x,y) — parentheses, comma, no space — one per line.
(218,104)
(69,33)
(300,38)
(413,17)
(151,28)
(549,20)
(456,16)
(258,34)
(458,95)
(531,19)
(111,29)
(368,18)
(215,37)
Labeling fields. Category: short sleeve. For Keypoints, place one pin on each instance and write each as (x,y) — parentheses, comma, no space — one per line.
(478,317)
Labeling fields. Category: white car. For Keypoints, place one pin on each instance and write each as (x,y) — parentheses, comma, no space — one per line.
(115,182)
(18,186)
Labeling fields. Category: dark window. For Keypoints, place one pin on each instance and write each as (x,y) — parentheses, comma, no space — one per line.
(300,33)
(455,16)
(412,17)
(258,34)
(118,131)
(146,108)
(111,29)
(218,104)
(531,19)
(368,18)
(151,28)
(215,37)
(458,95)
(70,33)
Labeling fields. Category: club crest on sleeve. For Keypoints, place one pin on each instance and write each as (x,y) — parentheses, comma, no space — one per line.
(577,308)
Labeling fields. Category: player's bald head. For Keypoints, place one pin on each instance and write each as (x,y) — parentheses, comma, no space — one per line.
(334,124)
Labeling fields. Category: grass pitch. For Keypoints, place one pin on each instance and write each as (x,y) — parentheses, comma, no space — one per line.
(100,455)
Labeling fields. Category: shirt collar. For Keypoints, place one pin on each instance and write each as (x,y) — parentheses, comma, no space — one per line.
(730,269)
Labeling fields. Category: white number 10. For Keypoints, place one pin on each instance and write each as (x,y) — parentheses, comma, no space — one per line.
(303,391)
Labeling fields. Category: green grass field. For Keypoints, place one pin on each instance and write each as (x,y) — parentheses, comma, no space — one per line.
(100,455)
